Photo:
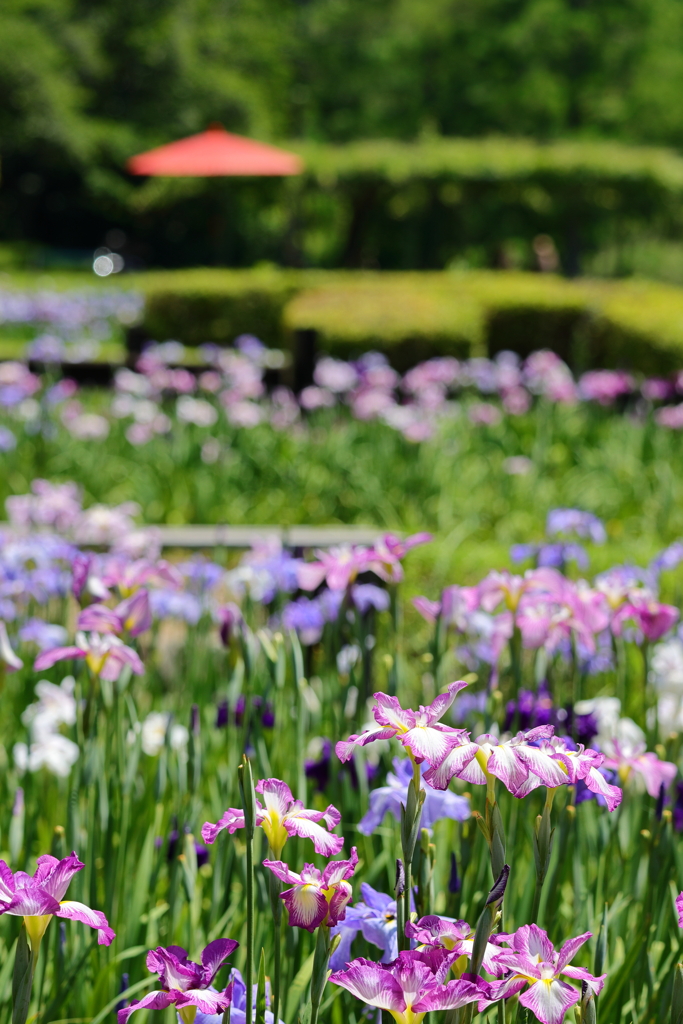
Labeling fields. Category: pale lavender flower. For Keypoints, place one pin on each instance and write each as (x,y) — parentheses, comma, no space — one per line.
(375,918)
(388,799)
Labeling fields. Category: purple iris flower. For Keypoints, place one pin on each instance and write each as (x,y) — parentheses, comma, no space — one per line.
(551,556)
(669,558)
(678,808)
(305,617)
(531,710)
(238,1006)
(225,715)
(7,440)
(366,596)
(375,917)
(388,799)
(44,634)
(574,520)
(201,575)
(319,769)
(171,604)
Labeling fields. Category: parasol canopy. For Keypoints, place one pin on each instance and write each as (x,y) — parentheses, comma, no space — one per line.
(215,153)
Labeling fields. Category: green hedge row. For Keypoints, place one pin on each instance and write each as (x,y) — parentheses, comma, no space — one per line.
(411,316)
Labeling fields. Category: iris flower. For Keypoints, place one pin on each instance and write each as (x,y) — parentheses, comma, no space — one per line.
(455,936)
(281,816)
(316,897)
(375,917)
(421,732)
(40,897)
(389,798)
(408,986)
(535,963)
(105,655)
(132,615)
(184,983)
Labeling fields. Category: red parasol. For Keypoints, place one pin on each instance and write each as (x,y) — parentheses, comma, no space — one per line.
(215,153)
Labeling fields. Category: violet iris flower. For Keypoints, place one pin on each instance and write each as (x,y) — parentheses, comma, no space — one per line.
(106,656)
(455,936)
(184,983)
(316,897)
(281,816)
(421,732)
(389,798)
(375,917)
(574,520)
(238,1004)
(410,986)
(535,963)
(40,897)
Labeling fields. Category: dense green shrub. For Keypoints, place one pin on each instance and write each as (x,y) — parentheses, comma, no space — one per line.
(412,316)
(196,306)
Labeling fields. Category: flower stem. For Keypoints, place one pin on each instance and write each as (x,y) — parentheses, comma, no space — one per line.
(25,960)
(249,804)
(321,959)
(276,905)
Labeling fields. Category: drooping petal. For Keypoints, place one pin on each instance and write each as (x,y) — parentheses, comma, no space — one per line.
(450,996)
(549,1000)
(427,743)
(283,872)
(344,748)
(152,1001)
(98,618)
(31,901)
(595,983)
(337,905)
(205,1000)
(306,906)
(371,984)
(597,783)
(324,842)
(232,820)
(12,661)
(135,613)
(214,955)
(49,658)
(550,771)
(93,918)
(505,763)
(456,761)
(7,883)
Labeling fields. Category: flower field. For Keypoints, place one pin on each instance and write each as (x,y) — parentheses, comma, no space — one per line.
(434,777)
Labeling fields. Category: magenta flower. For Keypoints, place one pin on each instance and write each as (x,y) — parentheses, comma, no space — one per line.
(534,962)
(105,655)
(184,983)
(420,732)
(679,909)
(281,816)
(316,897)
(626,755)
(455,936)
(338,567)
(502,586)
(133,615)
(409,986)
(582,765)
(40,897)
(515,762)
(645,611)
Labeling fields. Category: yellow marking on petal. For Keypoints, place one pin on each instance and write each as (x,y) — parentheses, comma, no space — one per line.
(187,1014)
(276,833)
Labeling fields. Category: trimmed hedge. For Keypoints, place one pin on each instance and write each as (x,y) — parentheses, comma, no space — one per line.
(196,306)
(411,316)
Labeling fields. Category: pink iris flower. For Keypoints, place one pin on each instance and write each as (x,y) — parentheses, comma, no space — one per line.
(128,576)
(679,909)
(281,816)
(184,983)
(410,986)
(645,611)
(626,756)
(535,963)
(133,615)
(338,567)
(421,732)
(316,897)
(501,586)
(105,655)
(515,762)
(455,936)
(40,897)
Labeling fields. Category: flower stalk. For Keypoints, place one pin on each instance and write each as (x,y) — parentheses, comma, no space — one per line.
(411,815)
(246,784)
(543,848)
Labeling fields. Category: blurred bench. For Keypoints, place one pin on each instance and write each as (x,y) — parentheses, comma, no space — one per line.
(246,536)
